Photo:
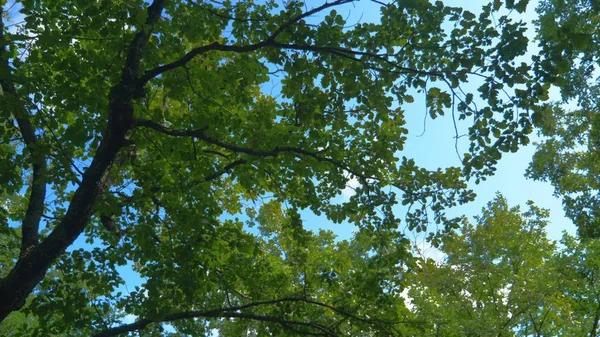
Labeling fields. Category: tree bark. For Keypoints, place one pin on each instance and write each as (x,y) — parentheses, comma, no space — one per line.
(593,332)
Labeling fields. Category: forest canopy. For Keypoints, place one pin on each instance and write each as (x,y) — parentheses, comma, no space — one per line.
(147,138)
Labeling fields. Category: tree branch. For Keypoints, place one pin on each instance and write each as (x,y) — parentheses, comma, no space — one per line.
(134,55)
(221,313)
(304,15)
(345,53)
(315,329)
(268,42)
(35,206)
(226,169)
(200,134)
(594,330)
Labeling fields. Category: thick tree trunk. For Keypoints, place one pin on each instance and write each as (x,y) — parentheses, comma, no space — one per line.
(32,266)
(35,261)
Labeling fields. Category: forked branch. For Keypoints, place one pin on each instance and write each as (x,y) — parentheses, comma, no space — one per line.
(31,267)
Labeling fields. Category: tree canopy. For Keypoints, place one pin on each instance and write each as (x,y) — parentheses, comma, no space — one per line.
(502,276)
(151,130)
(569,157)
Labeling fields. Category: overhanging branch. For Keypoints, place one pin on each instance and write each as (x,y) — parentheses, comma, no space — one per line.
(306,328)
(315,328)
(274,152)
(241,312)
(216,46)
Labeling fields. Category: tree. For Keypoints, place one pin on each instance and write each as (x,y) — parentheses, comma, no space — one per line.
(503,277)
(580,270)
(496,278)
(568,157)
(144,128)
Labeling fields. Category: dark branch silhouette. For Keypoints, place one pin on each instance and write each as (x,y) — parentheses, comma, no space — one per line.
(270,41)
(201,134)
(240,311)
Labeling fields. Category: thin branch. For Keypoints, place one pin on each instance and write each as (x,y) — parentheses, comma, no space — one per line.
(47,217)
(304,15)
(216,153)
(380,3)
(10,140)
(35,206)
(61,36)
(238,312)
(65,159)
(200,134)
(226,169)
(220,313)
(225,16)
(268,42)
(594,330)
(345,53)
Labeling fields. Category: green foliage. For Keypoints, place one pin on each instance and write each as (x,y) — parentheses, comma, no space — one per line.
(579,269)
(569,155)
(148,129)
(494,280)
(503,277)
